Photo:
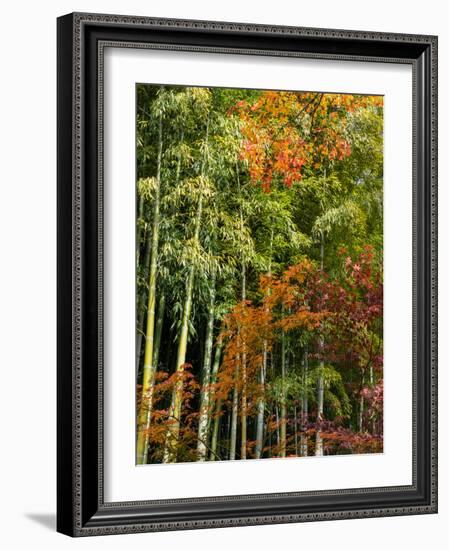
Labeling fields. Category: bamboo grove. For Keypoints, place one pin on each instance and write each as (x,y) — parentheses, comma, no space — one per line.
(259,274)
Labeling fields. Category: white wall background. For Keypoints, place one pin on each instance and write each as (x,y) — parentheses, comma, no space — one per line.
(28,282)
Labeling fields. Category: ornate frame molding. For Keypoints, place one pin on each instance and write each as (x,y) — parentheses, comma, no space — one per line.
(81,42)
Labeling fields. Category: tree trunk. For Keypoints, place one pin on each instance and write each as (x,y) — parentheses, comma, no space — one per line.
(140,306)
(320,401)
(278,435)
(295,413)
(244,404)
(263,371)
(157,345)
(243,414)
(146,263)
(216,427)
(235,400)
(261,406)
(172,437)
(243,398)
(214,377)
(320,382)
(144,416)
(228,431)
(283,418)
(158,330)
(216,406)
(139,228)
(176,403)
(203,423)
(305,405)
(361,406)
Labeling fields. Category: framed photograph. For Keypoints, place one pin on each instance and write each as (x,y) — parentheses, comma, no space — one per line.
(247,280)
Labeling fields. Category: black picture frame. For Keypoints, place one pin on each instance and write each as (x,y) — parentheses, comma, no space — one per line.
(81,510)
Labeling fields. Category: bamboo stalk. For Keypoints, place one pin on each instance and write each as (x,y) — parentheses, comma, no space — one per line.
(171,442)
(203,423)
(144,416)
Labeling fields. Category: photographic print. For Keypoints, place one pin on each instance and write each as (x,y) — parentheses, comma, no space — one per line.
(259,274)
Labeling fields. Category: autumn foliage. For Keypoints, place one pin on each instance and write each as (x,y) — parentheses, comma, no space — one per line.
(304,304)
(287,134)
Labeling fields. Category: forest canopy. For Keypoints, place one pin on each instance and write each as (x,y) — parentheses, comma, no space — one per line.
(259,291)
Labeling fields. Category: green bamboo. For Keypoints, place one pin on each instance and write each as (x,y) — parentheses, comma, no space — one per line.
(304,405)
(171,442)
(216,406)
(203,424)
(244,400)
(243,419)
(140,306)
(263,373)
(144,416)
(320,382)
(283,420)
(234,410)
(156,348)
